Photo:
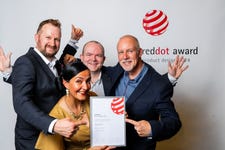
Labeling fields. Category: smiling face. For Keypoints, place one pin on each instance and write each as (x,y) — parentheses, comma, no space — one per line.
(129,54)
(79,85)
(48,40)
(93,56)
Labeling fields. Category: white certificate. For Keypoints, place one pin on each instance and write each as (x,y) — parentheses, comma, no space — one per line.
(107,121)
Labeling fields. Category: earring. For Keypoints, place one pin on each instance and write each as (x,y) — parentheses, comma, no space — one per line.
(67,92)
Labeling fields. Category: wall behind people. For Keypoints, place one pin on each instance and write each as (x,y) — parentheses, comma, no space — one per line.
(195,30)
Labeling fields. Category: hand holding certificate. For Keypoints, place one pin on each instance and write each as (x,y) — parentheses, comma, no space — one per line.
(107,121)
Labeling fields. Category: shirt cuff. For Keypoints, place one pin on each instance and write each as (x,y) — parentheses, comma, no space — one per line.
(6,74)
(51,126)
(150,136)
(73,43)
(173,80)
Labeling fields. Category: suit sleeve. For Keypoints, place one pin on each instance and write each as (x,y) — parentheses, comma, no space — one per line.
(9,80)
(67,50)
(53,141)
(23,81)
(169,78)
(169,122)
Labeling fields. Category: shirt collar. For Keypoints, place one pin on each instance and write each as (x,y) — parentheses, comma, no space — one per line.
(98,81)
(136,80)
(52,63)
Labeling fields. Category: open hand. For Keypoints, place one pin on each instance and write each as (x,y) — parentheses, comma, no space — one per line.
(176,69)
(5,61)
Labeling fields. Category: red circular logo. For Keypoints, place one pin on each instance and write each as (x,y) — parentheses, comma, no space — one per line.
(117,105)
(155,22)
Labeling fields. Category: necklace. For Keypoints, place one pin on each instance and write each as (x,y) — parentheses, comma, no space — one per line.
(78,116)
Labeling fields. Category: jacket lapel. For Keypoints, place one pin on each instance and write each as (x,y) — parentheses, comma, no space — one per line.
(41,63)
(142,86)
(37,59)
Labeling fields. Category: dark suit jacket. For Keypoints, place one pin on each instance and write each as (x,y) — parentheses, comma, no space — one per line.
(151,101)
(106,80)
(35,91)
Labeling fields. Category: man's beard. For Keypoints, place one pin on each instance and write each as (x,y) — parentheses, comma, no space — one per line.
(47,55)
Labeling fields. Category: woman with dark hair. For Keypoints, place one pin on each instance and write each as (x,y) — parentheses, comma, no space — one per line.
(74,105)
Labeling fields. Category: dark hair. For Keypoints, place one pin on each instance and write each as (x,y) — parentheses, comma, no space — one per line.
(54,22)
(72,69)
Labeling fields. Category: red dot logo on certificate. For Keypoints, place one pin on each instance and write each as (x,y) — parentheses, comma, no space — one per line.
(155,22)
(117,105)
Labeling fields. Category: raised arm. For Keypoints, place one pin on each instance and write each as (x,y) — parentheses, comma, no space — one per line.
(76,33)
(71,48)
(5,65)
(5,61)
(176,68)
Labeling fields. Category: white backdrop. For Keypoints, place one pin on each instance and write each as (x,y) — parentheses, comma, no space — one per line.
(194,24)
